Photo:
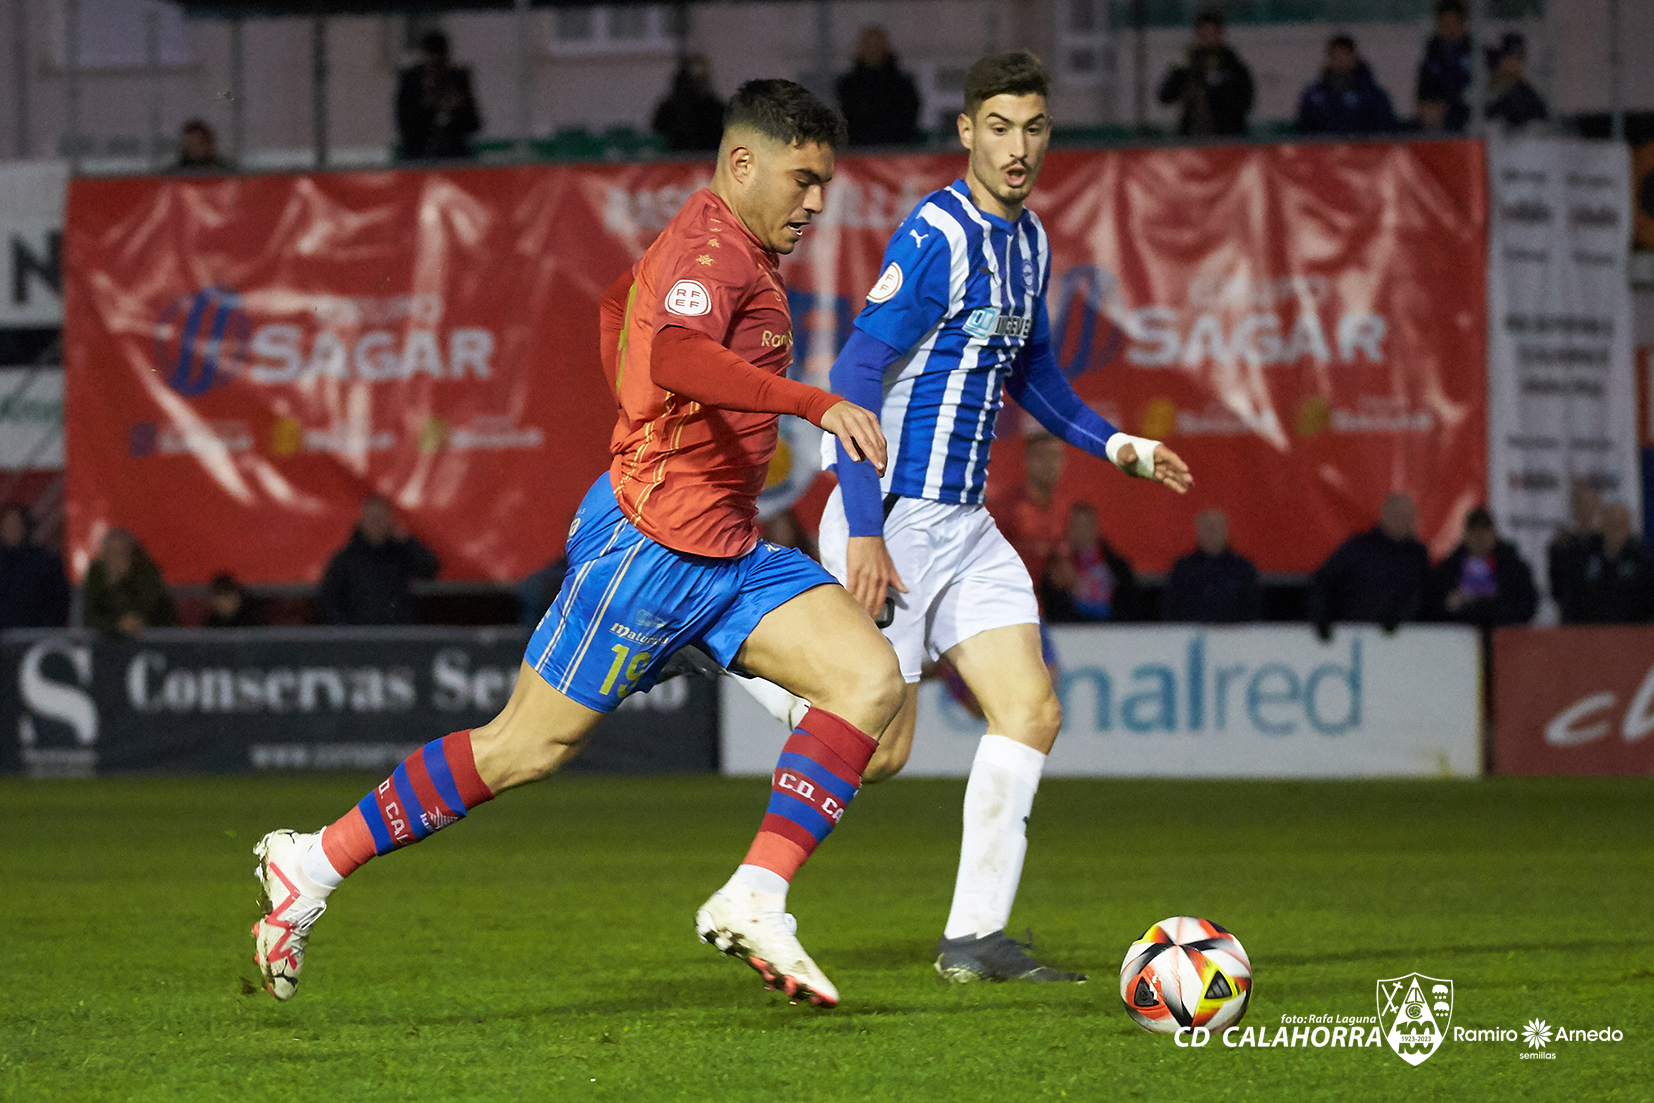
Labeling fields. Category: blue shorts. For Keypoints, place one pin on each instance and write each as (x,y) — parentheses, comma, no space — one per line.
(627,603)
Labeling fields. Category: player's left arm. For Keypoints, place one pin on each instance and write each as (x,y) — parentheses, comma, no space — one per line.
(1039,386)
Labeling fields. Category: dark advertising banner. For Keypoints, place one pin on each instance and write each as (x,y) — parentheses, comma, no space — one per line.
(1574,700)
(235,702)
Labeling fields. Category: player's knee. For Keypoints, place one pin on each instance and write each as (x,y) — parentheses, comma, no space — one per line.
(882,688)
(1035,720)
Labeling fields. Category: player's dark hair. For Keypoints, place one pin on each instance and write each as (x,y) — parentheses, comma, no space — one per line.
(786,112)
(1341,42)
(1478,519)
(1451,7)
(1015,74)
(1210,17)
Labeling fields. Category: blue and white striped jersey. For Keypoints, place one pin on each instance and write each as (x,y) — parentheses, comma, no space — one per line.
(961,293)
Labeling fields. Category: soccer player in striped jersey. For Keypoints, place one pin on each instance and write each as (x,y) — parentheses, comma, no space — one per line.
(664,552)
(956,318)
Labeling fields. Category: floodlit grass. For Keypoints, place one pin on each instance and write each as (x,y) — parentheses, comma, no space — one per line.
(544,948)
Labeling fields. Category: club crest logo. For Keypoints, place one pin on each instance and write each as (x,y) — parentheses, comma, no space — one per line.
(1414,1012)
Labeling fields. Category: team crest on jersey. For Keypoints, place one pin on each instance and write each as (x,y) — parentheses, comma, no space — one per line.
(1414,1011)
(689,298)
(888,285)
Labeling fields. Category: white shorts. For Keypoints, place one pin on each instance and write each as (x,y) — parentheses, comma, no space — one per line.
(961,574)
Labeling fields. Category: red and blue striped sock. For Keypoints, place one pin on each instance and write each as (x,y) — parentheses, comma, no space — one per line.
(817,776)
(434,787)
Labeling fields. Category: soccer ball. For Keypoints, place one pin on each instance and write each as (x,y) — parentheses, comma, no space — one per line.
(1186,972)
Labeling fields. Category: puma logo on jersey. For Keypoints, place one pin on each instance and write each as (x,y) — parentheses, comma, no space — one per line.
(918,238)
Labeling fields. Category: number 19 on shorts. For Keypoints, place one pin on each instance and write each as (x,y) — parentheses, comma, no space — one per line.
(622,674)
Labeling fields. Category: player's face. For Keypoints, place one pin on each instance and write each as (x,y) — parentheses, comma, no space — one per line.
(785,190)
(1007,138)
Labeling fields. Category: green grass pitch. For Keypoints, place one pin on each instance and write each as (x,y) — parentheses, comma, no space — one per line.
(544,948)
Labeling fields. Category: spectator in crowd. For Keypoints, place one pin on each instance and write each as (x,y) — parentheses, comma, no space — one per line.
(198,149)
(1485,582)
(1212,87)
(229,605)
(879,100)
(1034,517)
(691,117)
(1346,100)
(1432,116)
(1444,72)
(33,590)
(367,581)
(1212,584)
(1571,547)
(1375,577)
(1086,578)
(124,590)
(435,111)
(1510,98)
(536,592)
(1618,582)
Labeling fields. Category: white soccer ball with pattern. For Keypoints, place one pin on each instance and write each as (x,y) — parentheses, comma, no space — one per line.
(1186,972)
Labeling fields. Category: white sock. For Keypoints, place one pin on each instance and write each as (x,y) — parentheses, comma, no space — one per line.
(766,882)
(319,869)
(998,797)
(779,703)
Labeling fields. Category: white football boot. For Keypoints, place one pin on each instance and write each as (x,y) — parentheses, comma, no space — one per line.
(752,926)
(292,904)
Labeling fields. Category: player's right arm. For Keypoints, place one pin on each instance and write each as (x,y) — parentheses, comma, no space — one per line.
(910,297)
(611,325)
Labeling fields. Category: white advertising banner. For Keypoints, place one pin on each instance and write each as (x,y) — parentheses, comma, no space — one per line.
(31,232)
(31,419)
(1562,400)
(1184,701)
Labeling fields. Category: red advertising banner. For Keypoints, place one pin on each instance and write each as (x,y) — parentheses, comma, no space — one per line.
(249,357)
(1576,700)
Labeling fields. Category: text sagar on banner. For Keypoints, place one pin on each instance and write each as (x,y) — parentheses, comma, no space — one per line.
(247,357)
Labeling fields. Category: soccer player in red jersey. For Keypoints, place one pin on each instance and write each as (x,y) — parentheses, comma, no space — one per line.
(665,552)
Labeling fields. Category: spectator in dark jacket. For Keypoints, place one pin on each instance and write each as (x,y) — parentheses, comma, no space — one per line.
(1375,577)
(1511,99)
(1212,584)
(1618,582)
(1444,73)
(880,102)
(691,117)
(1086,578)
(1571,547)
(1346,100)
(33,590)
(536,592)
(435,111)
(1485,581)
(124,590)
(367,581)
(1212,87)
(229,605)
